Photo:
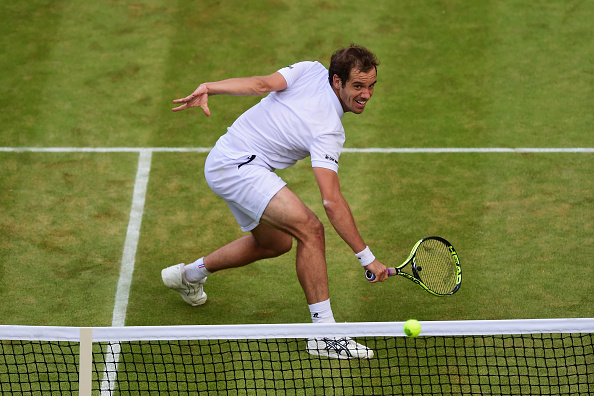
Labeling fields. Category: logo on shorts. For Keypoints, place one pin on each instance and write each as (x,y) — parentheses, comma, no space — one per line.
(329,158)
(249,159)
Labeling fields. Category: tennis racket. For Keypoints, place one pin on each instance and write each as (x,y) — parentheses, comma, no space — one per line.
(434,265)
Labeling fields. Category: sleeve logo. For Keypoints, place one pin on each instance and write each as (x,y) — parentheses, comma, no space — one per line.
(329,158)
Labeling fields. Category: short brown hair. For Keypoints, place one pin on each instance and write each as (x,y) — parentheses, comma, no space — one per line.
(351,57)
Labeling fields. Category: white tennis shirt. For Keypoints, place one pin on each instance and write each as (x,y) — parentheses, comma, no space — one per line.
(305,119)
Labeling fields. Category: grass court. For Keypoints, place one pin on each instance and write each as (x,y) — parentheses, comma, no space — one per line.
(98,79)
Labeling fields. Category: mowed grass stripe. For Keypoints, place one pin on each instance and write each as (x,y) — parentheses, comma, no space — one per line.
(105,75)
(62,232)
(541,74)
(27,36)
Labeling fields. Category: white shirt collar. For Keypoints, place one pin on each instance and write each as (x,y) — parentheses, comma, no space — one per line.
(336,101)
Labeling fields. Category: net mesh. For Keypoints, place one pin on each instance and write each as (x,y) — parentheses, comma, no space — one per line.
(38,367)
(544,363)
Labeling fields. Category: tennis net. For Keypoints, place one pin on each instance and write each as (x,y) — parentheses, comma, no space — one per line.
(510,357)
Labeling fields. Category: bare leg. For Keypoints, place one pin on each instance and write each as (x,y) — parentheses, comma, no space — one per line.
(288,213)
(285,216)
(264,242)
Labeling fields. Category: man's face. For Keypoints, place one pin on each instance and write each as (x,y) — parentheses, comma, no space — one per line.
(357,90)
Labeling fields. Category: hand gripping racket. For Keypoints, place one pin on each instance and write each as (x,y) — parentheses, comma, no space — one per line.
(434,265)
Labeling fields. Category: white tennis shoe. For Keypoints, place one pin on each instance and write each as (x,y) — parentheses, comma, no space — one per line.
(338,348)
(192,293)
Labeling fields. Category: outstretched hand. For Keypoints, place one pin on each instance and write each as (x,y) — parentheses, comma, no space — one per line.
(198,98)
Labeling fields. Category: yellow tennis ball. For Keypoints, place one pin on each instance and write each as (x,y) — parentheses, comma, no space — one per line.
(412,328)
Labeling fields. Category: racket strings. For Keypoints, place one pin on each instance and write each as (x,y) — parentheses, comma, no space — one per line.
(435,266)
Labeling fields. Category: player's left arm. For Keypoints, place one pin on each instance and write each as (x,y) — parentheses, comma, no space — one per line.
(340,215)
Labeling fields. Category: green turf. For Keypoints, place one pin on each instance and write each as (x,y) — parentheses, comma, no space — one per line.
(496,221)
(63,226)
(452,74)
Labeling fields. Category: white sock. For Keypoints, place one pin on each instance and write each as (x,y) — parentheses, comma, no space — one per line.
(196,271)
(321,312)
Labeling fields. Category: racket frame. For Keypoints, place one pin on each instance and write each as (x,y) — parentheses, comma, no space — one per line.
(415,274)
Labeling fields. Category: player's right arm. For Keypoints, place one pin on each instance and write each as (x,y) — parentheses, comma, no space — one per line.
(341,217)
(257,85)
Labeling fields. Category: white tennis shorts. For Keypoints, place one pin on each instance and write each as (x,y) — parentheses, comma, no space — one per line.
(246,183)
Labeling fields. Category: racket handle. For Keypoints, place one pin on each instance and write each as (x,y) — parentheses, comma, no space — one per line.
(370,276)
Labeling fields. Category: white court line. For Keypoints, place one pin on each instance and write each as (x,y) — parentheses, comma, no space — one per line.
(105,149)
(112,355)
(469,150)
(132,236)
(345,150)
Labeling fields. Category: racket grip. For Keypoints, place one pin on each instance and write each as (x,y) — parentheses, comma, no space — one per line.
(370,276)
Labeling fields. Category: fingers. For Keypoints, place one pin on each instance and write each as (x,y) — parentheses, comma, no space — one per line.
(206,109)
(186,99)
(380,272)
(186,106)
(380,278)
(180,108)
(197,98)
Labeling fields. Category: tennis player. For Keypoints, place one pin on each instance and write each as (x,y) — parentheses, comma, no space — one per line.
(301,117)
